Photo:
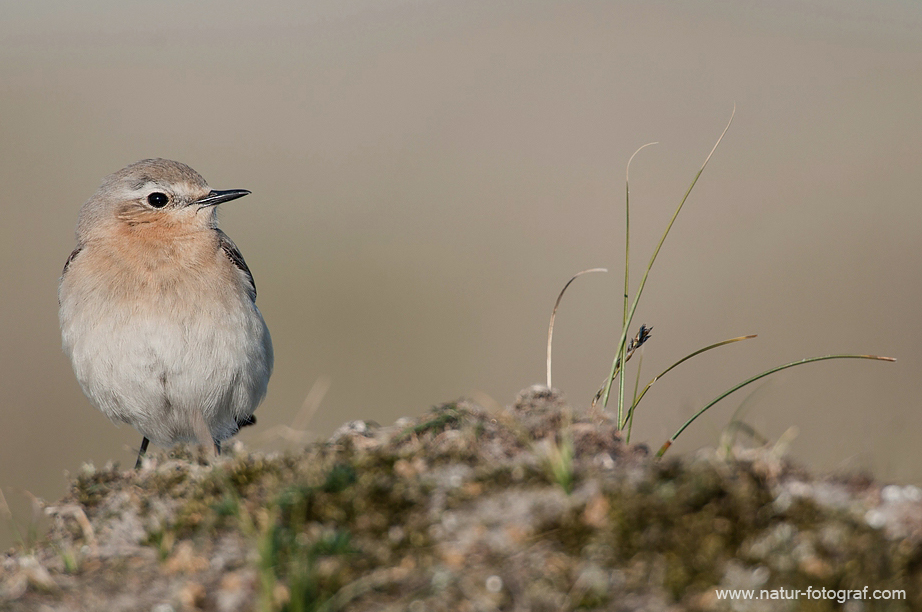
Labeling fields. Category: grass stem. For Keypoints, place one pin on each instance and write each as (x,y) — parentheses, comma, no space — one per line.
(643,280)
(630,413)
(550,327)
(669,442)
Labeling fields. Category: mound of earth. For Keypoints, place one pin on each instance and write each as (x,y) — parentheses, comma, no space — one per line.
(535,507)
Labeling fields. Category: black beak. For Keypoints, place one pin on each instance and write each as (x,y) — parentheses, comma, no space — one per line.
(217,197)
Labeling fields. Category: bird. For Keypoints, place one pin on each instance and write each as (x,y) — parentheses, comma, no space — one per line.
(158,309)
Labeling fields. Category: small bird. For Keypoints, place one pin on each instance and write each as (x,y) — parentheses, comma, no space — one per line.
(158,309)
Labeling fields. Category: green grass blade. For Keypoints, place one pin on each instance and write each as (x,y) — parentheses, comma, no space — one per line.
(630,416)
(646,273)
(550,327)
(630,413)
(669,442)
(627,256)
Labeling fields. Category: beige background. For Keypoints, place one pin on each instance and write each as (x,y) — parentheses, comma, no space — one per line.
(427,174)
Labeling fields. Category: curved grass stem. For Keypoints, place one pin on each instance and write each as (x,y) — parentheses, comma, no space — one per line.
(550,327)
(670,441)
(629,419)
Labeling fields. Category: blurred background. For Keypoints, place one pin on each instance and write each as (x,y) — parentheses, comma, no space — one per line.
(427,174)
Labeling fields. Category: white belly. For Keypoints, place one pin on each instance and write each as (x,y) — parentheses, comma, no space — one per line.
(164,368)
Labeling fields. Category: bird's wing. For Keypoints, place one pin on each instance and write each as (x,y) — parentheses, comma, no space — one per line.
(236,257)
(70,259)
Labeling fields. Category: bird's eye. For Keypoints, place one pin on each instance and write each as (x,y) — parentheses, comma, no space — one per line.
(157,199)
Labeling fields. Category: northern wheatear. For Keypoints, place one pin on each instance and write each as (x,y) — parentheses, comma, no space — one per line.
(158,311)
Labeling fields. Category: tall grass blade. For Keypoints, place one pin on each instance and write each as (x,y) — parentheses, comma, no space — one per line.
(643,280)
(627,255)
(669,442)
(550,327)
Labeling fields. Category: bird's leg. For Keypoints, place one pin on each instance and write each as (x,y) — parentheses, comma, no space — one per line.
(141,452)
(217,448)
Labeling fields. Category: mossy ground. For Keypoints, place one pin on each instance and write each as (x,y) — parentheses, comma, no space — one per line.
(532,508)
